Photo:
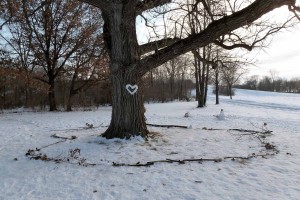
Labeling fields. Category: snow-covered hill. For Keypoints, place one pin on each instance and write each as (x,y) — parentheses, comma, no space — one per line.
(273,177)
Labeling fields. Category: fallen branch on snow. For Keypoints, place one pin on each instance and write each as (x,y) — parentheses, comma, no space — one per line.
(199,160)
(73,157)
(73,137)
(240,130)
(168,126)
(87,127)
(267,145)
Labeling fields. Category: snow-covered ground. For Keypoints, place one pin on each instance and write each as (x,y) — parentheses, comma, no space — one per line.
(274,177)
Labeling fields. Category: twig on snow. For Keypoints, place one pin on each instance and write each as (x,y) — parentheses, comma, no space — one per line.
(168,126)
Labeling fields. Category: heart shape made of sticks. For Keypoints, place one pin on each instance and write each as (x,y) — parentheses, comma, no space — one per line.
(132,89)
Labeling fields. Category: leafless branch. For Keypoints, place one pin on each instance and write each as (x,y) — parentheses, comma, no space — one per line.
(212,32)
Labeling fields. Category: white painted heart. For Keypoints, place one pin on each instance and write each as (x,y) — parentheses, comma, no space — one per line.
(132,89)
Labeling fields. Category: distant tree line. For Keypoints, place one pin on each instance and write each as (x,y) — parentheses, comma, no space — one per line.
(271,83)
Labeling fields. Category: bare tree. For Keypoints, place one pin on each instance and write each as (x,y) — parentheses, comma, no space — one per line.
(231,74)
(86,71)
(128,66)
(48,37)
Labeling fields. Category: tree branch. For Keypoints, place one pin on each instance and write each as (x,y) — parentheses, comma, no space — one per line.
(216,29)
(230,47)
(149,4)
(257,40)
(294,9)
(207,8)
(208,62)
(151,46)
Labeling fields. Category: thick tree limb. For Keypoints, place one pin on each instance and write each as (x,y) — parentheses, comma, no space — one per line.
(217,28)
(149,4)
(151,46)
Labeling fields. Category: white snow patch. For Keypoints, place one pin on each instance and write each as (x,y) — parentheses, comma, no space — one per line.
(276,177)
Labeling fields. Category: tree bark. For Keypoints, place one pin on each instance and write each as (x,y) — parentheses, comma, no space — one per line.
(127,109)
(120,39)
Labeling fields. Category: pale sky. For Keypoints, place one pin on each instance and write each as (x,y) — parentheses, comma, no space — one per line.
(283,53)
(283,56)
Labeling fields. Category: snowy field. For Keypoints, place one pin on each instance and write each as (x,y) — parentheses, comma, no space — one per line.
(271,177)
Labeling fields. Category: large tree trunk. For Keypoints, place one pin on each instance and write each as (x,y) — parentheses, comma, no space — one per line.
(120,38)
(127,109)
